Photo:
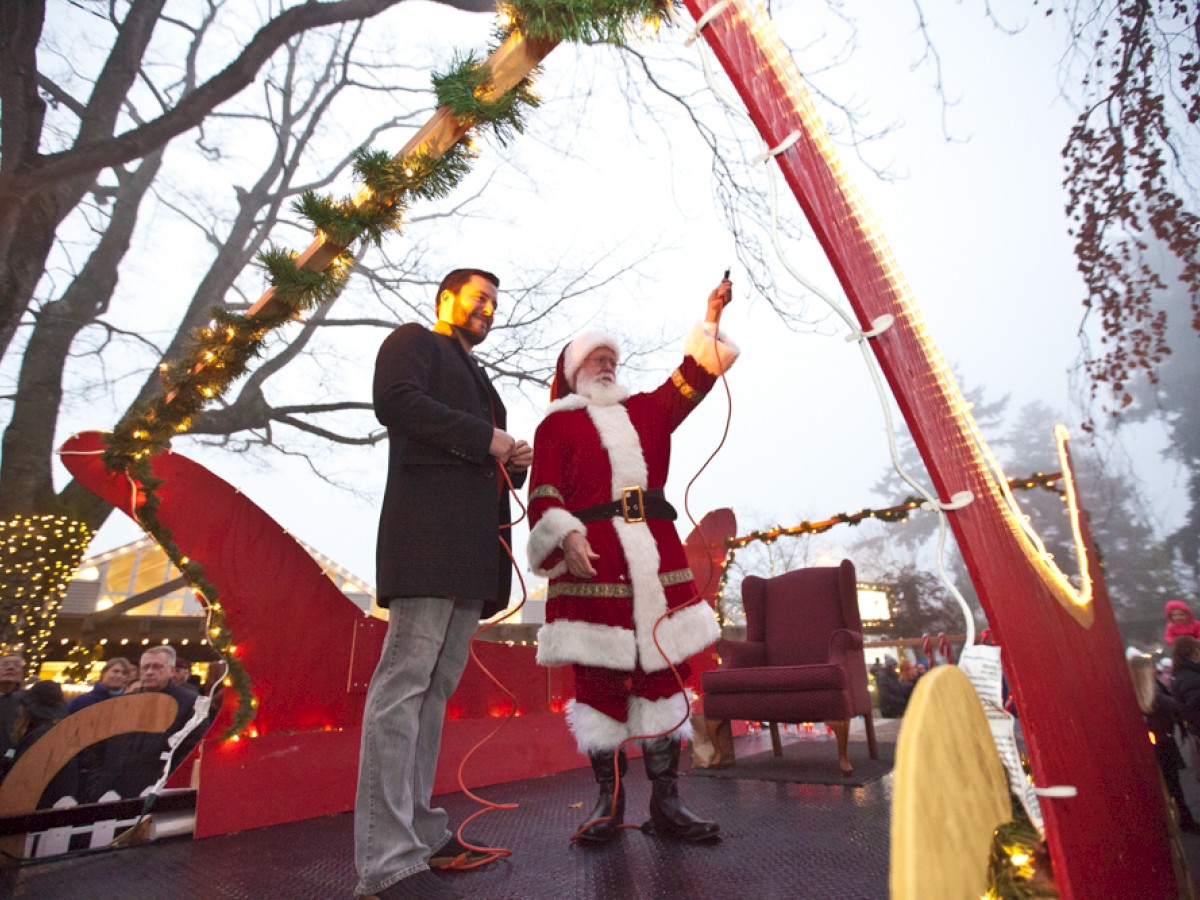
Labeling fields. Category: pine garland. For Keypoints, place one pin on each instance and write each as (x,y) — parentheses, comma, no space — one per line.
(464,91)
(582,21)
(1018,862)
(419,175)
(219,636)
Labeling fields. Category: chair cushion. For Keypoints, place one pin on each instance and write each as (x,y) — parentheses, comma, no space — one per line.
(790,679)
(780,706)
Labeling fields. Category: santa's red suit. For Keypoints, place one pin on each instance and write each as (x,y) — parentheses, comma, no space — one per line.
(588,453)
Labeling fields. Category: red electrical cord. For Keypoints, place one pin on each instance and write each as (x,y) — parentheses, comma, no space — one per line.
(492,853)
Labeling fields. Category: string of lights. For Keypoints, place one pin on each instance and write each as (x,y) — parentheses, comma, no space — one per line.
(891,514)
(38,557)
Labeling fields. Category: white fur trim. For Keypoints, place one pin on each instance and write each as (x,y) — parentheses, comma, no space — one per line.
(586,643)
(546,537)
(594,731)
(628,463)
(682,634)
(623,446)
(649,598)
(699,346)
(619,394)
(578,350)
(652,717)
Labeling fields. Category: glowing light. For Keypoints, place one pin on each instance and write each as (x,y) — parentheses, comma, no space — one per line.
(646,29)
(37,557)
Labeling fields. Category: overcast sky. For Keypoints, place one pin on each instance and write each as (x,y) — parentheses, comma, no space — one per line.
(976,223)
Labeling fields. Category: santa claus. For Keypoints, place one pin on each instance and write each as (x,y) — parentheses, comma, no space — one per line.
(621,607)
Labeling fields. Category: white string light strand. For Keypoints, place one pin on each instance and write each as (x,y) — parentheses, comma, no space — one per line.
(856,334)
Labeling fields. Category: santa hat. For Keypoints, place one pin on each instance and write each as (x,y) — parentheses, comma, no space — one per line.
(572,358)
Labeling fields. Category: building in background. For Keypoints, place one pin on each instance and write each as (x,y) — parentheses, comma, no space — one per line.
(124,600)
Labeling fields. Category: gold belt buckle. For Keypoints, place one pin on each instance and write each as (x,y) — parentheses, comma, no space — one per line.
(637,504)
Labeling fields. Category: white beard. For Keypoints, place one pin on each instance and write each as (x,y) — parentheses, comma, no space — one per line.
(599,391)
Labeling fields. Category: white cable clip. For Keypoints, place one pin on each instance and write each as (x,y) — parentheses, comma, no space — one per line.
(958,501)
(782,148)
(880,324)
(1057,791)
(711,13)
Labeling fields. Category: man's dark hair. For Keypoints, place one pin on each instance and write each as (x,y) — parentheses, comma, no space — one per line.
(456,279)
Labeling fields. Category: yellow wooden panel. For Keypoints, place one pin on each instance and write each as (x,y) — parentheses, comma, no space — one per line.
(950,792)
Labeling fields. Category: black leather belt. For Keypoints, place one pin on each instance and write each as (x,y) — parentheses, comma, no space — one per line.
(635,505)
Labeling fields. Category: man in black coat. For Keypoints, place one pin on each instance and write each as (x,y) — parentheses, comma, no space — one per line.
(440,568)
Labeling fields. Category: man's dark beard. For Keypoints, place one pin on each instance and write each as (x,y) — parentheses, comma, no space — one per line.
(472,338)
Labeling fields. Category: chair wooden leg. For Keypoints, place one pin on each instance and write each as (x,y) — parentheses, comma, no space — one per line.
(841,731)
(872,746)
(775,744)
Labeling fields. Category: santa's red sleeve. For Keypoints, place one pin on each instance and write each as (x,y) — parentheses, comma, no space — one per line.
(550,520)
(708,355)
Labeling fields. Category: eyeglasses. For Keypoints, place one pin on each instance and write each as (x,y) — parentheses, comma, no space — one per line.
(603,361)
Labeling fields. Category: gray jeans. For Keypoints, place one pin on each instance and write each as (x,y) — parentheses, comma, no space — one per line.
(424,654)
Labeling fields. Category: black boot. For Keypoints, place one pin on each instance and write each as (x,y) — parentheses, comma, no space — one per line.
(669,817)
(610,809)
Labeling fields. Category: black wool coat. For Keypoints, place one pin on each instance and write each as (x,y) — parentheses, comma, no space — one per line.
(445,500)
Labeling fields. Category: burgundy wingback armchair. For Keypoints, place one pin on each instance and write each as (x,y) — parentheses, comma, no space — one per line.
(802,660)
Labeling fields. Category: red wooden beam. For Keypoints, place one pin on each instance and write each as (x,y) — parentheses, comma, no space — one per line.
(1063,658)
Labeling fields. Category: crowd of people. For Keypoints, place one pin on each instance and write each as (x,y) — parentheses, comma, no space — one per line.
(122,766)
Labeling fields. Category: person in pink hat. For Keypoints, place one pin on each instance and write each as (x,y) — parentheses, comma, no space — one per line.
(1179,621)
(602,532)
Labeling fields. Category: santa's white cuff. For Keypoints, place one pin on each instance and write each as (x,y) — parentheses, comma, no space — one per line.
(714,356)
(547,536)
